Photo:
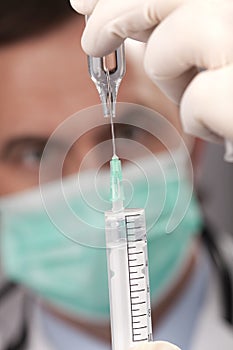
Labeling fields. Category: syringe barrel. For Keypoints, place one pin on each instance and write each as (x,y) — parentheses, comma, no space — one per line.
(128,278)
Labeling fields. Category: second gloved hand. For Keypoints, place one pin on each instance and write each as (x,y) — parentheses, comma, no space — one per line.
(181,36)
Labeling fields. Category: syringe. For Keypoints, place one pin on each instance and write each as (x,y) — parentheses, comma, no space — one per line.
(128,278)
(126,242)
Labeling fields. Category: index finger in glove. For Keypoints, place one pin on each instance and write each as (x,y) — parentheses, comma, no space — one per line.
(85,7)
(113,21)
(157,345)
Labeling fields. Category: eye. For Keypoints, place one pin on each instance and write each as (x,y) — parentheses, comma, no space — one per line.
(30,156)
(25,151)
(129,132)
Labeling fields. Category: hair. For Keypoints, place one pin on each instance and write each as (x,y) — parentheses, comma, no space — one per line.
(22,19)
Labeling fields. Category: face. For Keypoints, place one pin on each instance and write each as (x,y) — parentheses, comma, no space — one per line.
(45,81)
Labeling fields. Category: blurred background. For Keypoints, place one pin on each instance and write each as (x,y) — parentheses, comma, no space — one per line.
(215,183)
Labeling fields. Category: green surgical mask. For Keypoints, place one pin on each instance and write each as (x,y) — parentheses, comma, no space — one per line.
(71,274)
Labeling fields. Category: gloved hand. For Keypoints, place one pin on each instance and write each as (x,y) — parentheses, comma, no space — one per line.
(181,36)
(157,345)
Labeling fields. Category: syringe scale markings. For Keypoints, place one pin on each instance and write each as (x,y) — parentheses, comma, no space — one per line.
(129,278)
(141,302)
(134,228)
(139,315)
(138,241)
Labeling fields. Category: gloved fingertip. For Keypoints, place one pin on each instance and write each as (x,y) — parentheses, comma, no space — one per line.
(157,345)
(76,4)
(164,345)
(85,7)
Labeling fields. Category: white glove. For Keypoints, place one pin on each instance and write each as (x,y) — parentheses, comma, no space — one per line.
(181,35)
(157,345)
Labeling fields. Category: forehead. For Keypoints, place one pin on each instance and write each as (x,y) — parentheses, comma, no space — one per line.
(43,79)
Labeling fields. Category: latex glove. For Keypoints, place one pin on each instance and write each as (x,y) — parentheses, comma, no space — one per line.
(158,345)
(180,35)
